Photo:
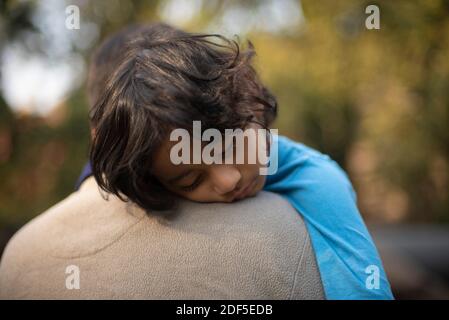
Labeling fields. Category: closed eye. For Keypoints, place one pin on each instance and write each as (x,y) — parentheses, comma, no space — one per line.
(192,186)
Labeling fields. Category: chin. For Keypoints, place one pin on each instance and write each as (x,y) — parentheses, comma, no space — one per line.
(255,193)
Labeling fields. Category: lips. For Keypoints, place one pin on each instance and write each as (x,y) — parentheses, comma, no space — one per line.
(245,191)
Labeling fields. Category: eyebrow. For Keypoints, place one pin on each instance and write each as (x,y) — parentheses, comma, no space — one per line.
(179,177)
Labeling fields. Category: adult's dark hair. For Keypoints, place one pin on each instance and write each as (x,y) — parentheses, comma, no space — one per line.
(164,78)
(105,59)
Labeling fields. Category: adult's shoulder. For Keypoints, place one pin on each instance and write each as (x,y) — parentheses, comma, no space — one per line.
(257,248)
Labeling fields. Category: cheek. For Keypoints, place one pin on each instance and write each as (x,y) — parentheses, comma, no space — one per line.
(250,170)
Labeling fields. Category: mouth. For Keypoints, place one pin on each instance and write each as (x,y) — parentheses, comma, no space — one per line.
(246,191)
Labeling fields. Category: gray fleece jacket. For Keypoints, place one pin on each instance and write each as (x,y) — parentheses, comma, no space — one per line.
(86,247)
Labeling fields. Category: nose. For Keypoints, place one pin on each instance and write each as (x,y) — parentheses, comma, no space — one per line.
(225,178)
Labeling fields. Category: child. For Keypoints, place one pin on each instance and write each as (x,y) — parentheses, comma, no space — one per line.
(146,82)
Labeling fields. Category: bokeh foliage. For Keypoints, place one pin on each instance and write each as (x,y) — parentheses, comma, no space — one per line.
(377,101)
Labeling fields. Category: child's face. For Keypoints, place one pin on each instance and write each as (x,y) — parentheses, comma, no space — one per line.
(209,182)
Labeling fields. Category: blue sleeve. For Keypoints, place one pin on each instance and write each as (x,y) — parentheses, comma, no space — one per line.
(348,261)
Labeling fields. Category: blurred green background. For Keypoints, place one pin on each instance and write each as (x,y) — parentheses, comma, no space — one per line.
(377,101)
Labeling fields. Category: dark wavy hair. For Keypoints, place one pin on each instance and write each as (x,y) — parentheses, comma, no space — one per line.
(147,80)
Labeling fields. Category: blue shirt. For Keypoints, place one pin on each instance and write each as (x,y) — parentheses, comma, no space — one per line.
(349,264)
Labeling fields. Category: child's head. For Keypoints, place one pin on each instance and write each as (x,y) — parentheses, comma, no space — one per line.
(146,82)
